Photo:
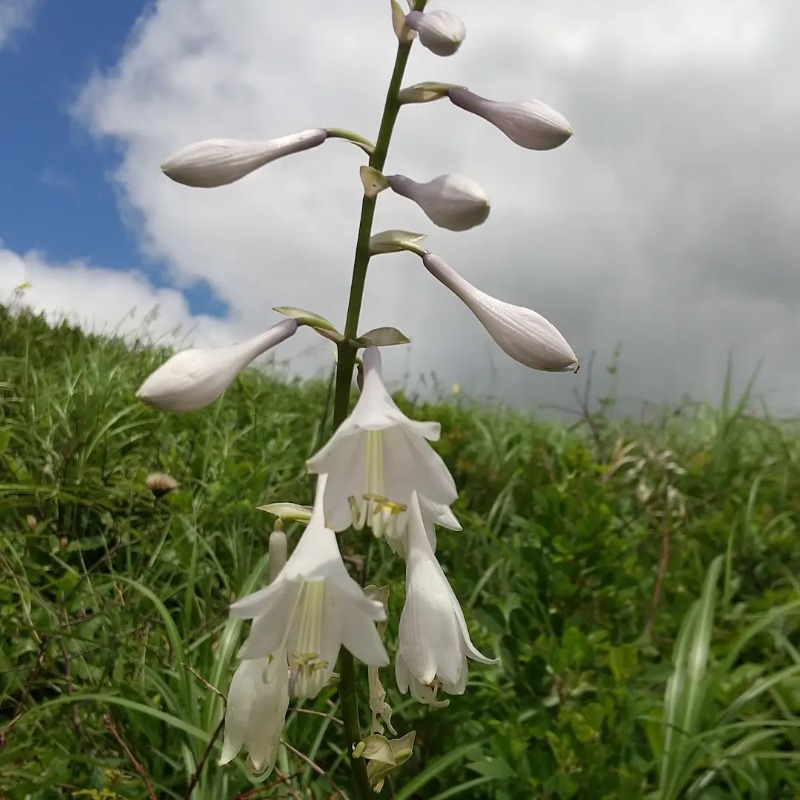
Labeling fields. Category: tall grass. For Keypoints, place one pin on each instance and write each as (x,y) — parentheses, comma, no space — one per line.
(638,580)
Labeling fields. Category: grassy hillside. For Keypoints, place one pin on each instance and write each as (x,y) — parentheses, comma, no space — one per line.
(640,582)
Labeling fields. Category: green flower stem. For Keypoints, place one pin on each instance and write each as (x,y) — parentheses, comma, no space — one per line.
(344,377)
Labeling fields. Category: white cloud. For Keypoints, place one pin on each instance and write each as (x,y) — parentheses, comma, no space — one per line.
(666,224)
(105,300)
(15,16)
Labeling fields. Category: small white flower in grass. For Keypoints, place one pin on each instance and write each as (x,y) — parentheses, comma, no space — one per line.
(530,124)
(195,378)
(376,459)
(259,695)
(454,202)
(217,162)
(439,31)
(434,640)
(311,609)
(520,332)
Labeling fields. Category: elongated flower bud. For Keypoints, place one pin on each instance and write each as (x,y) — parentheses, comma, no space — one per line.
(454,202)
(439,31)
(278,553)
(195,378)
(530,124)
(520,332)
(216,162)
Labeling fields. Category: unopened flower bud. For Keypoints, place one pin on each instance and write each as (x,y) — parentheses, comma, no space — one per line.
(439,31)
(216,162)
(530,124)
(520,332)
(454,202)
(195,378)
(278,553)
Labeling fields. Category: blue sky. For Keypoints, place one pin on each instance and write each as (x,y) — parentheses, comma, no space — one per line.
(56,193)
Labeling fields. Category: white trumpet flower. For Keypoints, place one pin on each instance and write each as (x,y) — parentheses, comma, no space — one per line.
(376,459)
(255,712)
(195,378)
(454,202)
(311,609)
(531,124)
(434,639)
(439,31)
(259,695)
(520,332)
(217,162)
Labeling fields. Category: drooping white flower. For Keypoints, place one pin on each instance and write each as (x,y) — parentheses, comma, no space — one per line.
(217,162)
(259,695)
(454,202)
(520,332)
(439,31)
(531,124)
(255,712)
(195,378)
(376,459)
(311,609)
(434,640)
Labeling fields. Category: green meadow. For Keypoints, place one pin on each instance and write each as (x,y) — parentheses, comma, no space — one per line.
(639,580)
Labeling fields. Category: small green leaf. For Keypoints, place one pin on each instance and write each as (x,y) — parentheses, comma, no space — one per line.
(312,320)
(425,92)
(382,337)
(291,512)
(373,181)
(401,30)
(394,241)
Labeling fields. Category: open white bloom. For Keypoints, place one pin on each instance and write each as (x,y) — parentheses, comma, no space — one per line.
(259,695)
(439,31)
(434,640)
(520,332)
(311,609)
(217,162)
(530,124)
(255,712)
(195,378)
(376,459)
(454,202)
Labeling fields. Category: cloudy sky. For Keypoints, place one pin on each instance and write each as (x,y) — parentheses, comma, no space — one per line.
(666,225)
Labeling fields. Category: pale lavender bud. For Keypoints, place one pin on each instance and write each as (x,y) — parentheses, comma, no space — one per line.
(530,124)
(216,162)
(439,31)
(195,378)
(454,202)
(520,332)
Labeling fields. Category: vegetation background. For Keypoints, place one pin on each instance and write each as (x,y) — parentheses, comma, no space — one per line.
(637,578)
